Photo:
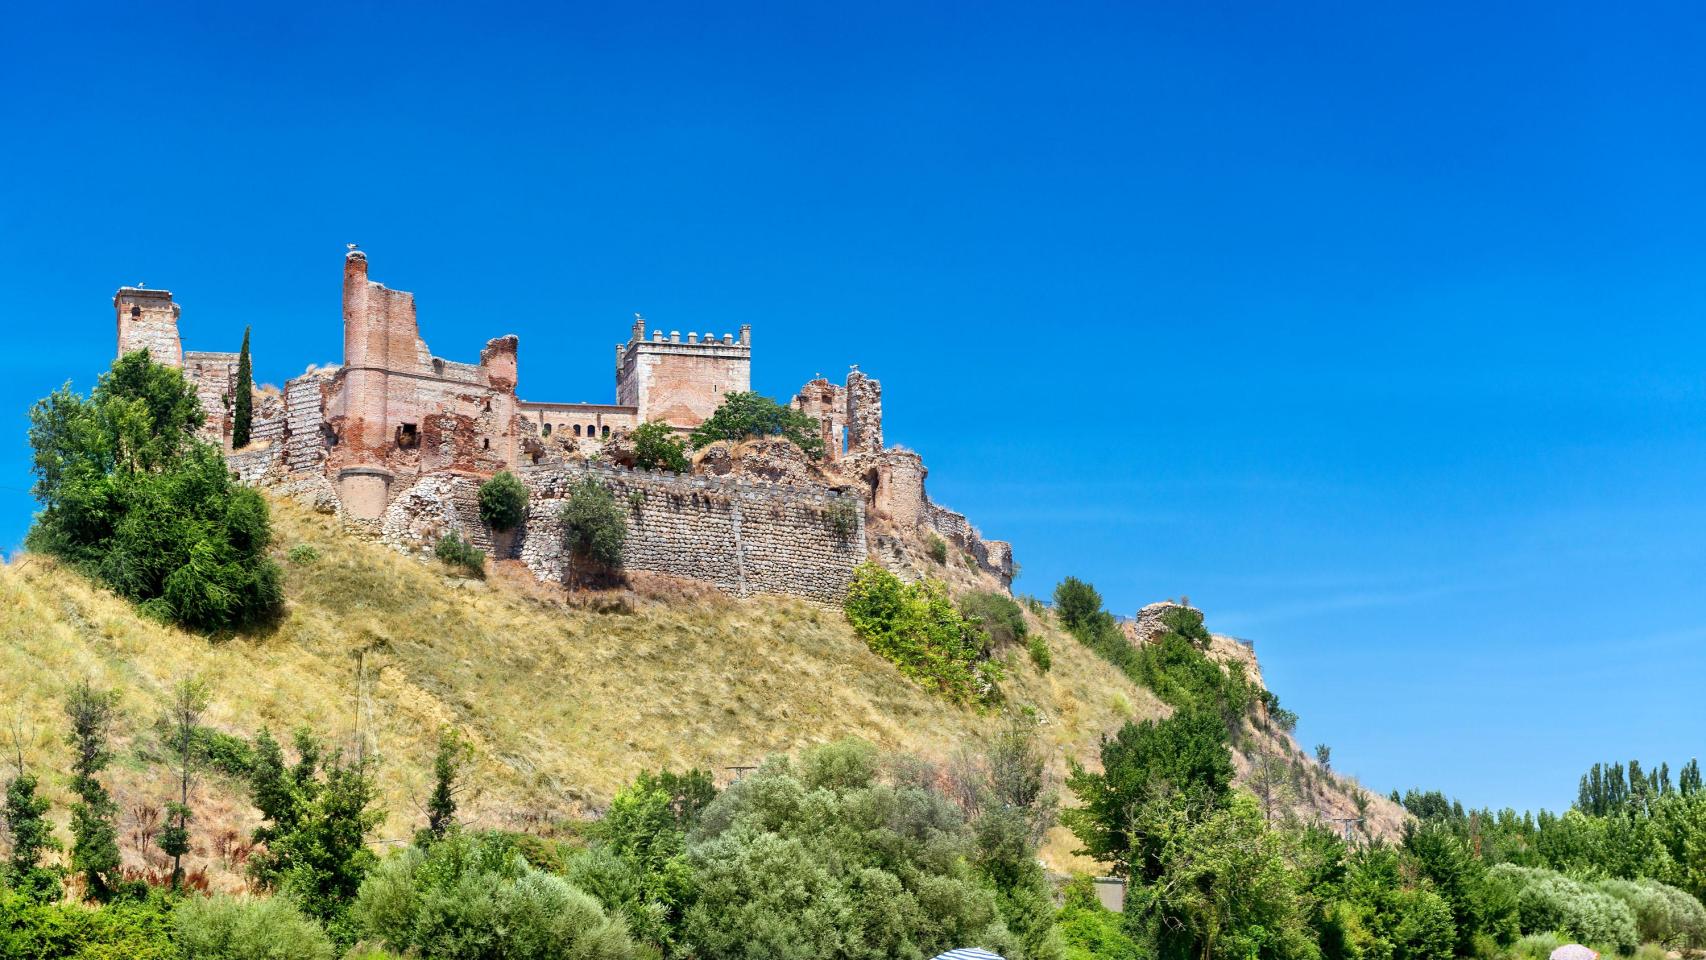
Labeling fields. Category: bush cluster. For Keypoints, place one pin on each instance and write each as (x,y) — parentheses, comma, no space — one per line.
(917,628)
(1548,900)
(749,416)
(658,447)
(454,550)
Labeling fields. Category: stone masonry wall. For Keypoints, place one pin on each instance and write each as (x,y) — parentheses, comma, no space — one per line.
(743,538)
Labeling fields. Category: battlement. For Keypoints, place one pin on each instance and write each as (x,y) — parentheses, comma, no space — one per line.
(681,381)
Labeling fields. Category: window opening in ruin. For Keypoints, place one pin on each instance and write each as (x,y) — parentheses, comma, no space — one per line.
(547,429)
(872,481)
(407,436)
(591,430)
(606,432)
(438,366)
(577,429)
(135,311)
(485,443)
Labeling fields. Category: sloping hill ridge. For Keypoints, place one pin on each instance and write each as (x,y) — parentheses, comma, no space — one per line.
(562,702)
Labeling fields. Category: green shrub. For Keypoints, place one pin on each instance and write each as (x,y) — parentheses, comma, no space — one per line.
(1091,931)
(658,447)
(843,518)
(1076,603)
(503,501)
(241,928)
(916,627)
(823,858)
(456,551)
(747,416)
(131,497)
(1547,900)
(1038,648)
(303,554)
(594,531)
(937,548)
(472,897)
(132,930)
(1663,914)
(997,615)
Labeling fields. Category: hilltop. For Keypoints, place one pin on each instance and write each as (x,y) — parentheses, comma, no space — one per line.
(564,700)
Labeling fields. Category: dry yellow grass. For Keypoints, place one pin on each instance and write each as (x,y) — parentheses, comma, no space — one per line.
(562,704)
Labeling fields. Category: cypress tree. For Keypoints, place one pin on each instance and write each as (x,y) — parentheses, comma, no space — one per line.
(94,847)
(244,401)
(32,836)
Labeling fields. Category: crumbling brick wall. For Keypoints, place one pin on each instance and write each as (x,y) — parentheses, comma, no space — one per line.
(826,403)
(213,374)
(864,413)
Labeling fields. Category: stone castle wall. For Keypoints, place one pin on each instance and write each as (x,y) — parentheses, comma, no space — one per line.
(743,538)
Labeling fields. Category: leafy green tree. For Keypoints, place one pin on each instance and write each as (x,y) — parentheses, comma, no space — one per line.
(1076,603)
(32,838)
(747,416)
(182,721)
(447,762)
(243,404)
(1184,757)
(594,531)
(1011,806)
(1222,884)
(658,447)
(323,859)
(503,501)
(131,497)
(1324,756)
(1479,904)
(1380,916)
(94,845)
(638,863)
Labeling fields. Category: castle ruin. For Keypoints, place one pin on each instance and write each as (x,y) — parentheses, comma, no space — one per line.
(397,440)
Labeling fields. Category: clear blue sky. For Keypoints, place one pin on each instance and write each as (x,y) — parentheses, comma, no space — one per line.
(1377,333)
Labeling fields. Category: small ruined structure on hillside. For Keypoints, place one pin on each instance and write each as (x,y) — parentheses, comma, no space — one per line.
(398,440)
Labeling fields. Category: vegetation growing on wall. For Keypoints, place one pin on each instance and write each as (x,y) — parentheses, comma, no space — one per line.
(658,447)
(750,416)
(594,531)
(503,501)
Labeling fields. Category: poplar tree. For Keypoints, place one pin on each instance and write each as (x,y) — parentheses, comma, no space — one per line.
(183,719)
(244,402)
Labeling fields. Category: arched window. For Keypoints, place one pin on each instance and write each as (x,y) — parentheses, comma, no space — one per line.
(485,443)
(591,430)
(606,433)
(577,429)
(546,429)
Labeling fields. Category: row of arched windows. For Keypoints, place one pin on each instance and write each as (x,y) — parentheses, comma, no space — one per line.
(592,430)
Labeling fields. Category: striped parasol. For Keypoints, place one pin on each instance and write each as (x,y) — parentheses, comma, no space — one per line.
(1574,951)
(968,953)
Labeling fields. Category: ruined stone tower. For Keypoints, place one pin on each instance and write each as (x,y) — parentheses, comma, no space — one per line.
(148,320)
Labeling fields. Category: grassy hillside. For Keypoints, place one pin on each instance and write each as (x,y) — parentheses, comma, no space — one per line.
(562,703)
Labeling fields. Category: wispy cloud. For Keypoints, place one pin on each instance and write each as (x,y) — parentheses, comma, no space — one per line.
(1250,621)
